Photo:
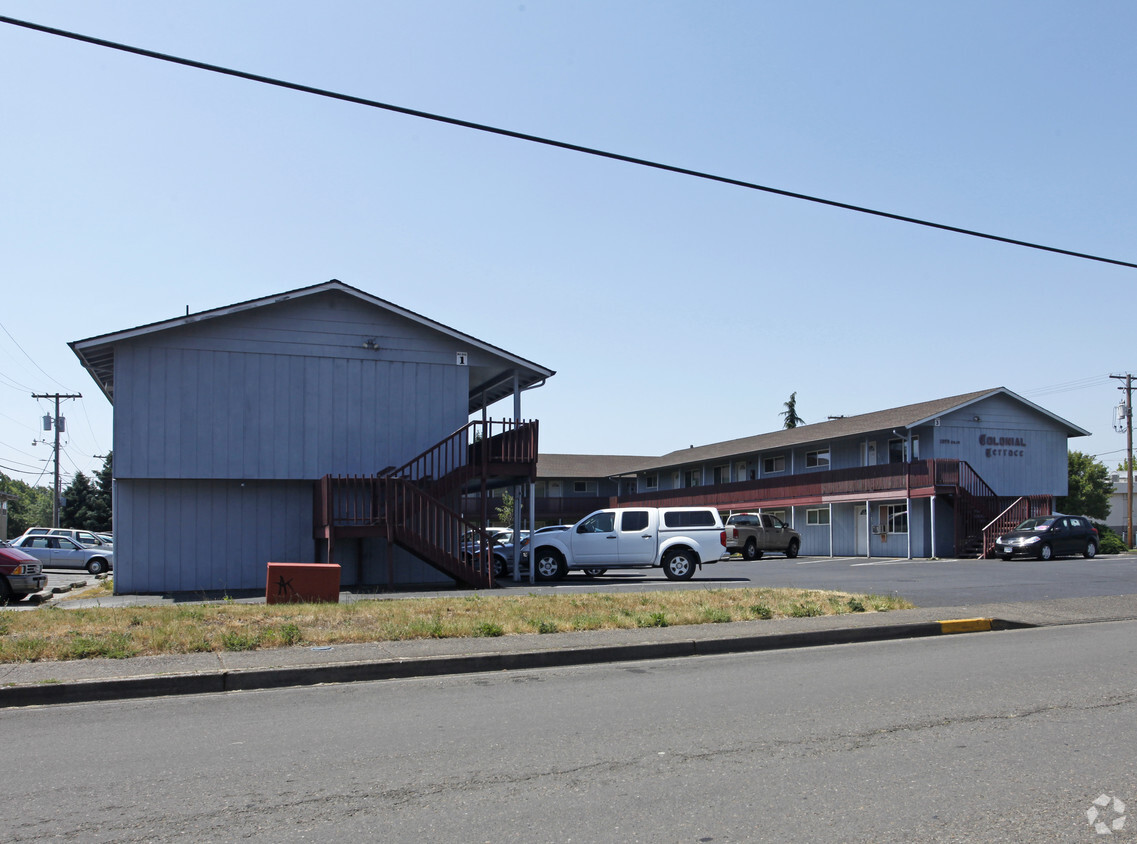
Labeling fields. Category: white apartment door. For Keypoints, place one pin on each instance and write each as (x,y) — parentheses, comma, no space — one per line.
(861,531)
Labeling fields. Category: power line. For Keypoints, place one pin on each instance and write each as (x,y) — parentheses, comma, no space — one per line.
(522,136)
(29,357)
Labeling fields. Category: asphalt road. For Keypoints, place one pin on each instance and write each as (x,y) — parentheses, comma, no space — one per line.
(927,583)
(1005,736)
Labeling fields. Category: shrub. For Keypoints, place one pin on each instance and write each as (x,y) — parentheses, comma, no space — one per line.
(762,611)
(715,615)
(489,629)
(1110,543)
(856,605)
(805,610)
(654,619)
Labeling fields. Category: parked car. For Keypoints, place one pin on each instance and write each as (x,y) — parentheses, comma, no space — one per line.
(1050,536)
(503,555)
(503,551)
(676,539)
(20,574)
(753,534)
(61,552)
(86,538)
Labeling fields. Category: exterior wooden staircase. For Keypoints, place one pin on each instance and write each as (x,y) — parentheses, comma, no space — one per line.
(417,505)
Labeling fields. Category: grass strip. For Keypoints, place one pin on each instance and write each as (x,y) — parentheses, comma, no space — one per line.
(55,633)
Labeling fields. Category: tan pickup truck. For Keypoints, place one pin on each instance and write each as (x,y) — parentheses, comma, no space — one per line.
(753,534)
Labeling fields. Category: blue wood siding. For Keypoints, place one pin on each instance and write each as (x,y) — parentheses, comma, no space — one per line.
(1015,449)
(180,535)
(229,400)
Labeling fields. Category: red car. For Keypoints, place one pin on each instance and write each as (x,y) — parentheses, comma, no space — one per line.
(20,574)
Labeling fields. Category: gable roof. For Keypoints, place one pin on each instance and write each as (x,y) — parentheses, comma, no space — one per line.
(487,384)
(908,416)
(587,465)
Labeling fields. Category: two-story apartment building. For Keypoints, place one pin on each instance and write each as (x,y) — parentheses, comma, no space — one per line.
(922,480)
(317,424)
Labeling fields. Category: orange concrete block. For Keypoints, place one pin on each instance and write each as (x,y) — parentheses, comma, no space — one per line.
(302,582)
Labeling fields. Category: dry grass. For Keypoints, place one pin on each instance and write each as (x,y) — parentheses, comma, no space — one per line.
(54,633)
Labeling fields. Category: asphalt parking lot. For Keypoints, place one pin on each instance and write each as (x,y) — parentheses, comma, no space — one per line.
(927,583)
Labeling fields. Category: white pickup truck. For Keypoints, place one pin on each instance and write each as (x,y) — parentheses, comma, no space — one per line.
(678,539)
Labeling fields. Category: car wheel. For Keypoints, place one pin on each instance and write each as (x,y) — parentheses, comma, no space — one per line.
(96,565)
(5,591)
(1045,552)
(1091,550)
(750,550)
(550,565)
(679,564)
(594,572)
(792,548)
(499,567)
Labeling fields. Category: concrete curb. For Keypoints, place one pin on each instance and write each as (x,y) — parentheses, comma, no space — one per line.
(229,680)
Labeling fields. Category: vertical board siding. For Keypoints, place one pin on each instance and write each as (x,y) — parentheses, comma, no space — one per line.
(275,416)
(181,536)
(221,426)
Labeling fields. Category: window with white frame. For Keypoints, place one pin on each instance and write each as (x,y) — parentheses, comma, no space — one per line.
(894,518)
(722,474)
(692,477)
(651,481)
(817,459)
(773,465)
(819,516)
(584,487)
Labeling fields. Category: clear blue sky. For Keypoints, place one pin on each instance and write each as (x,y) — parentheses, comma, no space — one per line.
(675,311)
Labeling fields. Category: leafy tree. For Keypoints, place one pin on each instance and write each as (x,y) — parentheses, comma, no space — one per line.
(1123,466)
(792,420)
(80,505)
(1089,487)
(32,507)
(505,511)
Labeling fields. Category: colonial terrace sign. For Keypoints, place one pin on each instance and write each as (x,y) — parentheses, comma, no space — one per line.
(1002,446)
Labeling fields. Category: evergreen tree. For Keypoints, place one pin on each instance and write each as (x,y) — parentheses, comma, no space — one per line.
(79,504)
(1089,488)
(792,420)
(103,506)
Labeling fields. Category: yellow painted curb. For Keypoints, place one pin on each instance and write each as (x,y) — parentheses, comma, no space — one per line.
(965,625)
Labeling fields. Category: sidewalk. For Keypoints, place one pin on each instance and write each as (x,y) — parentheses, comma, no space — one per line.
(38,683)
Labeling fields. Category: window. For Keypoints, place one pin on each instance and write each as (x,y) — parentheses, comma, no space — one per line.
(651,481)
(772,522)
(688,518)
(817,517)
(722,475)
(692,477)
(584,487)
(633,520)
(817,459)
(898,450)
(598,523)
(894,518)
(773,465)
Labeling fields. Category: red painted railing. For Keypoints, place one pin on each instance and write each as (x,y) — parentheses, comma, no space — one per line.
(405,504)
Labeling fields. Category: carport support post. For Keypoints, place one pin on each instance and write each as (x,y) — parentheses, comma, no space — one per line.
(868,530)
(908,512)
(933,520)
(532,528)
(830,529)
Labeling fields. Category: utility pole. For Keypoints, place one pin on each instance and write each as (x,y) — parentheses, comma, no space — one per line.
(57,423)
(1128,388)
